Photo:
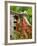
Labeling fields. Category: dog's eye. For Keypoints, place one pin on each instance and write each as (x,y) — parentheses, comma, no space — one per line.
(15,17)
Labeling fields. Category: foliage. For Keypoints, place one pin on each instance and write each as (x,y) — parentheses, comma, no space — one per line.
(29,19)
(21,9)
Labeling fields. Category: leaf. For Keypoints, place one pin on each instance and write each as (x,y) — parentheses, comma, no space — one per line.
(29,19)
(29,11)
